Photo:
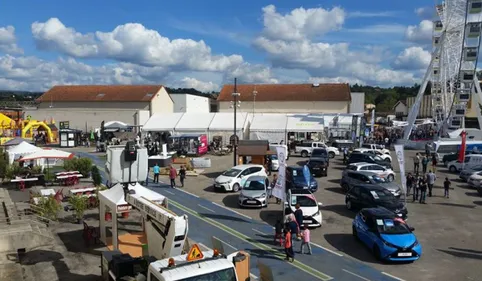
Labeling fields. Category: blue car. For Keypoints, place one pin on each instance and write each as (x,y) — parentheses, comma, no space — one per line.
(296,180)
(387,235)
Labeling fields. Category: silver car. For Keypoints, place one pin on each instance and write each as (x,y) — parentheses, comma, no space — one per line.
(466,173)
(254,192)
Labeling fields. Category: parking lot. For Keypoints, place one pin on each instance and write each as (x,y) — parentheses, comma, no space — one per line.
(448,229)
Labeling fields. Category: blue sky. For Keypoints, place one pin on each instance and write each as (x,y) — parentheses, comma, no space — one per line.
(375,31)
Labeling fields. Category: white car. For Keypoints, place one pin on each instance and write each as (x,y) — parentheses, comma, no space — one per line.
(311,208)
(231,180)
(470,161)
(379,153)
(381,171)
(475,179)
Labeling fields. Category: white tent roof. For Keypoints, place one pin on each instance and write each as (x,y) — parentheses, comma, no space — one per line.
(21,149)
(269,122)
(116,124)
(195,122)
(162,122)
(48,154)
(224,121)
(305,123)
(114,196)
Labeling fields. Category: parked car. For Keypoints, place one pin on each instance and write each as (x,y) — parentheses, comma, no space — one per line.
(470,161)
(386,235)
(318,166)
(320,153)
(466,173)
(475,180)
(311,208)
(254,192)
(381,171)
(296,180)
(305,149)
(231,179)
(350,179)
(378,147)
(375,152)
(357,157)
(454,156)
(372,196)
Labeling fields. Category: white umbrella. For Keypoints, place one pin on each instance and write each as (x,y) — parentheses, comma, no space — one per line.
(48,154)
(22,149)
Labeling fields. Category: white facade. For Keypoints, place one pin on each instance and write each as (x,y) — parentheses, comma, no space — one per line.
(190,103)
(400,109)
(357,104)
(288,107)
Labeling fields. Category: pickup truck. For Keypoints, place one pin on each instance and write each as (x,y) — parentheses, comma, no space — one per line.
(305,149)
(378,147)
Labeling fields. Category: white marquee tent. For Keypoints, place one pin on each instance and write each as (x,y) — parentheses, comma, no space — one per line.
(165,122)
(271,127)
(194,123)
(21,149)
(223,125)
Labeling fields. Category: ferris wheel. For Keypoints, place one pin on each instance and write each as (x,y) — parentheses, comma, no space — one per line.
(452,71)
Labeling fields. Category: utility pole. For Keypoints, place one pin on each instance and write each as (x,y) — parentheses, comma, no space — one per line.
(235,105)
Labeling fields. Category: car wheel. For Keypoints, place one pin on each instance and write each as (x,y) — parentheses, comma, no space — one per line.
(355,233)
(377,253)
(345,187)
(453,169)
(446,163)
(349,205)
(304,154)
(236,187)
(331,154)
(390,178)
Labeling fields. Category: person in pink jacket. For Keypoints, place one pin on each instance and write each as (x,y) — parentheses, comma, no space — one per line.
(172,176)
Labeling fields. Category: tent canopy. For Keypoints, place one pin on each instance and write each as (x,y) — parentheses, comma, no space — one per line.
(162,122)
(224,121)
(305,123)
(115,124)
(269,122)
(115,196)
(48,154)
(17,141)
(195,122)
(24,148)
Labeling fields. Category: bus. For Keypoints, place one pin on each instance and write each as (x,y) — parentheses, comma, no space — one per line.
(445,147)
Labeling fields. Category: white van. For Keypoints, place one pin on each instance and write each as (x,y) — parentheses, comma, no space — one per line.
(470,161)
(311,208)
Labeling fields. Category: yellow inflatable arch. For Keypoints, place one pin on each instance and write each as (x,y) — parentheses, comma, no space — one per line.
(32,124)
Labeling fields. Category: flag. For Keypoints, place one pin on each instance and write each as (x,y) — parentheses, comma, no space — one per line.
(372,123)
(401,163)
(461,159)
(279,189)
(307,175)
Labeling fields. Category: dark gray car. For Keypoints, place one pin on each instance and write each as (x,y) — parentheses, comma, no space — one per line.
(352,178)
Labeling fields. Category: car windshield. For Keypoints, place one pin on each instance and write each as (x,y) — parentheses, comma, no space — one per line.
(307,200)
(254,185)
(352,167)
(381,195)
(274,157)
(231,173)
(298,176)
(392,226)
(378,179)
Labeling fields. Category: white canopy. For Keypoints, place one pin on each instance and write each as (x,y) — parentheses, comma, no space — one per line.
(305,123)
(271,127)
(224,121)
(115,124)
(48,154)
(194,123)
(162,122)
(113,197)
(21,149)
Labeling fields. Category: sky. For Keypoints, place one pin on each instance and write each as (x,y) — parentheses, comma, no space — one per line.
(205,44)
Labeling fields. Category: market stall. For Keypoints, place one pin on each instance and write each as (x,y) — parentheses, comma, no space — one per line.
(269,126)
(305,127)
(194,123)
(222,126)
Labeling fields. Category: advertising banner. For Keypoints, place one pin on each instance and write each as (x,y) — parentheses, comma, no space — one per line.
(279,189)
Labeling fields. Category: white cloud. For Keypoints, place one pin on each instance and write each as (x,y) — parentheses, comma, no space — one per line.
(413,58)
(421,33)
(425,12)
(301,23)
(188,82)
(8,41)
(383,14)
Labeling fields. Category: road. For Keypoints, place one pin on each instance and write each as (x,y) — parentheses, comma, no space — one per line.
(240,232)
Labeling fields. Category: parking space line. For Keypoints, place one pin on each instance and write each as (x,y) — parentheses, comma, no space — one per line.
(326,249)
(236,212)
(227,244)
(356,275)
(391,276)
(187,192)
(169,192)
(260,232)
(206,208)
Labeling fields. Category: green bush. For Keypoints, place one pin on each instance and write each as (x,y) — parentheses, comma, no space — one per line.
(3,163)
(96,176)
(79,203)
(49,207)
(83,165)
(13,170)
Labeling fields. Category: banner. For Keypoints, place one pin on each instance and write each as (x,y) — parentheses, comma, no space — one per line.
(461,159)
(372,123)
(401,163)
(279,189)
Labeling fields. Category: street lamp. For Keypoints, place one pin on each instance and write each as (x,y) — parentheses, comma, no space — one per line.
(235,95)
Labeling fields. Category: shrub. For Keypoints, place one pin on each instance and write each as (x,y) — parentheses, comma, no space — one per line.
(49,207)
(3,163)
(83,165)
(79,203)
(12,171)
(96,176)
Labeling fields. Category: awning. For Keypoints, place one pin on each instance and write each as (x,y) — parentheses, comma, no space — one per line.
(194,122)
(162,122)
(305,123)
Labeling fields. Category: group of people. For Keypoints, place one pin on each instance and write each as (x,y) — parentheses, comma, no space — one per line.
(173,174)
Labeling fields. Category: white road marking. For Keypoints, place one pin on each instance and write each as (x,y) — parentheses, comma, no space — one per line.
(394,277)
(236,212)
(169,192)
(262,233)
(187,192)
(253,276)
(326,249)
(225,243)
(206,208)
(354,274)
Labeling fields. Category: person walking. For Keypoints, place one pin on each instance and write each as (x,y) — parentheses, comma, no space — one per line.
(424,164)
(172,176)
(423,191)
(416,188)
(156,170)
(434,163)
(447,185)
(182,175)
(416,163)
(430,182)
(298,215)
(290,254)
(428,148)
(278,232)
(305,235)
(410,182)
(273,184)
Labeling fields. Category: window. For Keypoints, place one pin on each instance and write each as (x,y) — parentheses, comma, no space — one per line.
(304,201)
(231,173)
(254,185)
(352,167)
(467,159)
(253,170)
(365,168)
(246,172)
(395,226)
(377,168)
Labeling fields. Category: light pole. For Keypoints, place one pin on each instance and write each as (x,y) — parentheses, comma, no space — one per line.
(235,105)
(254,99)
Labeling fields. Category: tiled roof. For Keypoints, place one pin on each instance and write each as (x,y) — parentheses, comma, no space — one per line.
(104,93)
(288,92)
